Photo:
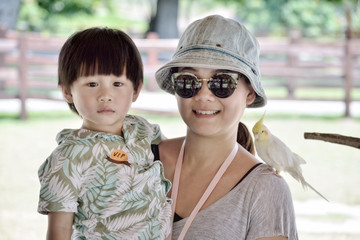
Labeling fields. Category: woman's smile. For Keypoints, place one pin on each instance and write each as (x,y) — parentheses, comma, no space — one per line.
(206,113)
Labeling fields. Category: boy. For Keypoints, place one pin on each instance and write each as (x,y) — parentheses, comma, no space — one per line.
(101,181)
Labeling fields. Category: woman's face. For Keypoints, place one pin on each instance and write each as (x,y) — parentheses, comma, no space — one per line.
(208,115)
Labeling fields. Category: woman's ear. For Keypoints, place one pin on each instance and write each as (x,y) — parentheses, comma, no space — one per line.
(67,94)
(137,92)
(251,96)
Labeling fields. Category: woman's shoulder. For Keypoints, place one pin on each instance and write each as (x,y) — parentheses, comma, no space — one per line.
(268,181)
(262,179)
(265,173)
(170,148)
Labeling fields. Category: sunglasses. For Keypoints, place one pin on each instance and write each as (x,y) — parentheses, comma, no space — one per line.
(222,84)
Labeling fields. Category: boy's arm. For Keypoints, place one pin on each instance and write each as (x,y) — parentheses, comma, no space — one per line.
(158,135)
(59,225)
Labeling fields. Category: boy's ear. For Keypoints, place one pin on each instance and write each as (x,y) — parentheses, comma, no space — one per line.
(67,94)
(137,92)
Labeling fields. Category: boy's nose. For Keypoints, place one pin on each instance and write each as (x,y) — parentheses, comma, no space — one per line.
(105,95)
(105,99)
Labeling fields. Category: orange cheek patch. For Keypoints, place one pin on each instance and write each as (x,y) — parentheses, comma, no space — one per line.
(118,157)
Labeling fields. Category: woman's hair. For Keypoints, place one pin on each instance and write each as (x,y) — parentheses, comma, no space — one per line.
(244,138)
(102,51)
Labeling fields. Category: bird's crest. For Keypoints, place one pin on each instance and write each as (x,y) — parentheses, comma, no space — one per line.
(259,124)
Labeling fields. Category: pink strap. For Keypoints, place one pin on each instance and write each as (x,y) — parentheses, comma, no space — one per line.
(207,192)
(175,185)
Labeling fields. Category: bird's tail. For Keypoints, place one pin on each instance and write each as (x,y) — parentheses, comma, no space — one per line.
(312,188)
(296,173)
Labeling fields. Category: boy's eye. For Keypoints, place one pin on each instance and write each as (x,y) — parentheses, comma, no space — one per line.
(93,84)
(118,84)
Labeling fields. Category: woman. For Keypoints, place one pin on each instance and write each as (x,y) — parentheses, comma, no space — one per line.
(220,190)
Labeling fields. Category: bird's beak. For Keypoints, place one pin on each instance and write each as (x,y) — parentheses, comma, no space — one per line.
(256,136)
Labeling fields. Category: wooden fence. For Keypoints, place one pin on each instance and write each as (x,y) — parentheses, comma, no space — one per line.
(28,65)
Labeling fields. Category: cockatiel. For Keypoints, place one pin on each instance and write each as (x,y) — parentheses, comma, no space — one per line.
(277,155)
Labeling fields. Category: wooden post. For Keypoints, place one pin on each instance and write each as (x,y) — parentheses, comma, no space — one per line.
(292,61)
(152,62)
(348,63)
(2,55)
(2,35)
(23,81)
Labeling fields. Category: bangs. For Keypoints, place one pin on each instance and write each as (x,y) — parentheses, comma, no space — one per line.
(100,51)
(102,59)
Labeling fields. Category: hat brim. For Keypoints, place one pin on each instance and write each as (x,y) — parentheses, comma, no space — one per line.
(205,58)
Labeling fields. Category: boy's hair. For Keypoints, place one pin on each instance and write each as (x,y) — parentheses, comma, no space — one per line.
(102,51)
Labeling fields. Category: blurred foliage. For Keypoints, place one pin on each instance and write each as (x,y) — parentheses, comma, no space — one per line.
(312,18)
(63,17)
(260,16)
(68,7)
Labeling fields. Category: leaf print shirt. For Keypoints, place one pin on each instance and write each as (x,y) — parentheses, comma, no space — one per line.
(109,200)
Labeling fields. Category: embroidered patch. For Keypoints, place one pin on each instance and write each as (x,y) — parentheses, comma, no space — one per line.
(118,157)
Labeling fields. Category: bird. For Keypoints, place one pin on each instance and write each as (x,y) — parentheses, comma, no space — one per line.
(276,154)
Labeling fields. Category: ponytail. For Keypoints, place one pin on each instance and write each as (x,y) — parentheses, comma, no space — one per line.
(244,138)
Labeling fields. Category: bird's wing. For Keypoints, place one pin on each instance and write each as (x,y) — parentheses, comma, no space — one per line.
(277,149)
(298,159)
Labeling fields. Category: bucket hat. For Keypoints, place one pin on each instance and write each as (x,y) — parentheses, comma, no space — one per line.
(219,43)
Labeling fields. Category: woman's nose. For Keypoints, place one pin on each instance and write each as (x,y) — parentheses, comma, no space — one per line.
(204,93)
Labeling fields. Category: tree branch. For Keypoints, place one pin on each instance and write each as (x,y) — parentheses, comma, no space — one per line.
(334,138)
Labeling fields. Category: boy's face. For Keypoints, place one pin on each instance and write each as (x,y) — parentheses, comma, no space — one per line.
(102,101)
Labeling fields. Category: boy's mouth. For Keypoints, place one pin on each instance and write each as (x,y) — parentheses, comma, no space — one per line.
(105,110)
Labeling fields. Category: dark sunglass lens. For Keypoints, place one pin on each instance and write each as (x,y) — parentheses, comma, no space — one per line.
(222,86)
(186,86)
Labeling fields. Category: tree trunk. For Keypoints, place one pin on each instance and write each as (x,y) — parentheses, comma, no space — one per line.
(164,21)
(8,14)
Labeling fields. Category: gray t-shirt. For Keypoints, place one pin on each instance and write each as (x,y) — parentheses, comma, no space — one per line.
(259,206)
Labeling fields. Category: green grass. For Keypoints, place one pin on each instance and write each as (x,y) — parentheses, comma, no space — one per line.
(331,168)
